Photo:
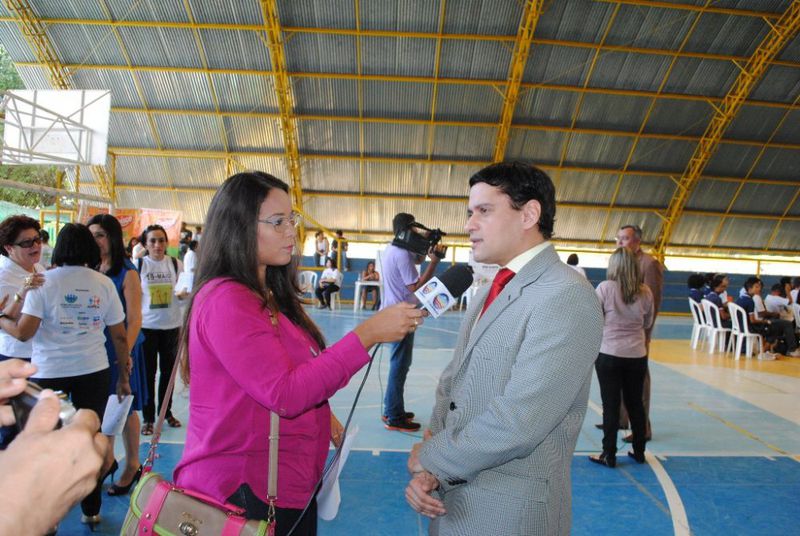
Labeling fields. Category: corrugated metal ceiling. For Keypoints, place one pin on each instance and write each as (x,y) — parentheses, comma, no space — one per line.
(649,70)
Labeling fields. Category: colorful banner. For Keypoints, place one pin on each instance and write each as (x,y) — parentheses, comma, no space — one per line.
(170,220)
(129,221)
(87,212)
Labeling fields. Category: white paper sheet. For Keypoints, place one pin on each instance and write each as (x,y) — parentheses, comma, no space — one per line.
(116,414)
(328,498)
(185,282)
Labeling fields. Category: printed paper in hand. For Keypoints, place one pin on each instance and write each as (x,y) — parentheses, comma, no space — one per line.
(116,414)
(328,498)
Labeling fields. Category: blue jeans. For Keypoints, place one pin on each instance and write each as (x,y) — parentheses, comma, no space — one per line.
(7,433)
(399,364)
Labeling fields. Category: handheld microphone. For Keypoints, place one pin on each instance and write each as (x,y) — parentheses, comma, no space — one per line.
(441,293)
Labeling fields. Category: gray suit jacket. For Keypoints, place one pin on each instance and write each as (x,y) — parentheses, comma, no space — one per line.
(511,403)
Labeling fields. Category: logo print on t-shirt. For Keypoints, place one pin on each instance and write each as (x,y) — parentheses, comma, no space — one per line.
(70,298)
(94,302)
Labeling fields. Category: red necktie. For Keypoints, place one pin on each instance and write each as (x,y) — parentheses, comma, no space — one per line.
(500,280)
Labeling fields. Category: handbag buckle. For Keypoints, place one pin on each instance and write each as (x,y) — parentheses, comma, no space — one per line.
(188,529)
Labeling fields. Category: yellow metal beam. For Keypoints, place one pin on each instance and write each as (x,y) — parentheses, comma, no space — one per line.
(645,119)
(519,59)
(579,105)
(309,194)
(283,89)
(360,32)
(686,7)
(415,80)
(35,34)
(781,32)
(450,123)
(219,155)
(437,60)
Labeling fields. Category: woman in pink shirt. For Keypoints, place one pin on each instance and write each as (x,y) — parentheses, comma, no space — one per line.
(252,349)
(622,364)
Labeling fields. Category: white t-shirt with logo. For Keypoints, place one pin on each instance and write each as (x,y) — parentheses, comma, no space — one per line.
(75,305)
(160,307)
(12,279)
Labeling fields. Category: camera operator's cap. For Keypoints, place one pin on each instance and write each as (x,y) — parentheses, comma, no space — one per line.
(401,221)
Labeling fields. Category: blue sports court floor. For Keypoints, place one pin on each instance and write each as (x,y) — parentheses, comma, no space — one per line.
(723,460)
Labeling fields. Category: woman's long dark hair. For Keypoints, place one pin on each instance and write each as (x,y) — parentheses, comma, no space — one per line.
(116,246)
(230,250)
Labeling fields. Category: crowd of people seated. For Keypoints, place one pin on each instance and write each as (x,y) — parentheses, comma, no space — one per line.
(770,316)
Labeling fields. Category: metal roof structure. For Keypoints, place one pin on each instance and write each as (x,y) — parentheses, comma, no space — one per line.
(681,116)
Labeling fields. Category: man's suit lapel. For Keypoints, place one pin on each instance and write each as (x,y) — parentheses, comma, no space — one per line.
(512,292)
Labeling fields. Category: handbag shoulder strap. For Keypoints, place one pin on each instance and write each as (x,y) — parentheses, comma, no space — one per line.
(274,429)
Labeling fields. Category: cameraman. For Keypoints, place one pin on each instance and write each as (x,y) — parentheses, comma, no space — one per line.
(400,280)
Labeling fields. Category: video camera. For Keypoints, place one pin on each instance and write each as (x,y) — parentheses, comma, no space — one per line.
(419,239)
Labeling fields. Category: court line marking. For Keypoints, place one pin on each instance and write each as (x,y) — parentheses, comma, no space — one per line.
(744,432)
(680,522)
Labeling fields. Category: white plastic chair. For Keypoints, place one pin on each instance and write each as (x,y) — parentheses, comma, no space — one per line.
(714,326)
(308,282)
(796,313)
(699,326)
(741,333)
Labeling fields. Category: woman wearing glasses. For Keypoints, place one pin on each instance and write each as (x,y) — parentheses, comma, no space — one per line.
(161,320)
(20,271)
(68,316)
(253,349)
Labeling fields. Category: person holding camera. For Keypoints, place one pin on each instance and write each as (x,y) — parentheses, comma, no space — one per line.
(45,471)
(400,280)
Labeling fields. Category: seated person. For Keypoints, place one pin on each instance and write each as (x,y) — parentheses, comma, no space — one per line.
(329,282)
(778,303)
(769,331)
(696,283)
(369,274)
(719,286)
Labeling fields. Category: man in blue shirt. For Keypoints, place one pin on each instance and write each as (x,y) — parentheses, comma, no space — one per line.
(400,280)
(755,324)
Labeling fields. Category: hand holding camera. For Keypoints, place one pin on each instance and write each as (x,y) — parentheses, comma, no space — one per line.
(45,471)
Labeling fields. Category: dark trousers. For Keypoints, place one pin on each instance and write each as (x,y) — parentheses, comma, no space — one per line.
(324,293)
(625,375)
(399,363)
(285,518)
(160,349)
(89,391)
(8,433)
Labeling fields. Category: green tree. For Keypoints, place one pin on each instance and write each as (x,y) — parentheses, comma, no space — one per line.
(43,175)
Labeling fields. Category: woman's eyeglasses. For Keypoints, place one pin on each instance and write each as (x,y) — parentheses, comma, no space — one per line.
(284,223)
(29,243)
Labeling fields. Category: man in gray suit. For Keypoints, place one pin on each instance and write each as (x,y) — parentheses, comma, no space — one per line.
(511,403)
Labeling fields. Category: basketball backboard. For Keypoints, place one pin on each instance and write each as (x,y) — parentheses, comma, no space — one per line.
(56,127)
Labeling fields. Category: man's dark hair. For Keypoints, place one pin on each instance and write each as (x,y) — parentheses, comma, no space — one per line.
(193,245)
(795,282)
(75,246)
(785,280)
(696,281)
(116,246)
(779,288)
(522,183)
(11,227)
(750,282)
(401,221)
(572,260)
(45,236)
